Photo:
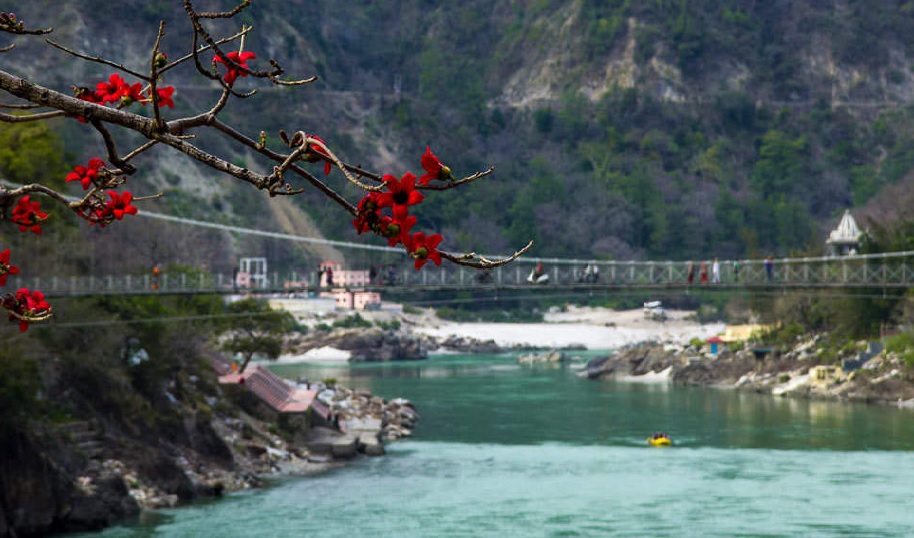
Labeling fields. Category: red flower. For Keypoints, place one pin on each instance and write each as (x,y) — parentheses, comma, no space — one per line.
(119,205)
(84,93)
(6,269)
(240,58)
(423,248)
(433,168)
(400,193)
(164,95)
(111,91)
(368,213)
(117,90)
(86,174)
(26,304)
(28,215)
(311,158)
(132,93)
(396,229)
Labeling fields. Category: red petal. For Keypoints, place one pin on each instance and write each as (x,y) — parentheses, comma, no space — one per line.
(415,197)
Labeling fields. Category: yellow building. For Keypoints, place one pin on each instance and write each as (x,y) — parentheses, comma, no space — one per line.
(825,374)
(740,333)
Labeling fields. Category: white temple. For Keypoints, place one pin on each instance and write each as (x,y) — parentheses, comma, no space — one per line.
(845,239)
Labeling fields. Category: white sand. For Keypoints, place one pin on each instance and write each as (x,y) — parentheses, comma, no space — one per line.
(594,328)
(321,354)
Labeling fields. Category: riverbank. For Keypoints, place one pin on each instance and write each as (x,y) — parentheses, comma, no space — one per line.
(804,370)
(418,334)
(657,351)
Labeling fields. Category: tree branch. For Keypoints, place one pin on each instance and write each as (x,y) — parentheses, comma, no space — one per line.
(481,262)
(97,59)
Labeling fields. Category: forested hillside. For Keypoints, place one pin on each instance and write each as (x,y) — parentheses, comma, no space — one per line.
(619,129)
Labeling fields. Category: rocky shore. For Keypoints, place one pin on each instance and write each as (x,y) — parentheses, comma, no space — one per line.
(86,474)
(803,371)
(390,336)
(375,344)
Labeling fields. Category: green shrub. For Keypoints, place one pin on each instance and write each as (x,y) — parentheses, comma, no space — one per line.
(352,322)
(392,325)
(902,344)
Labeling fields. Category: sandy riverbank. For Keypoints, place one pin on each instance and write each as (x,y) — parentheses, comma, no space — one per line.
(591,328)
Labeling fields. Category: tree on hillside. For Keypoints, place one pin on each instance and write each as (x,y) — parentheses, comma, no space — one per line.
(136,101)
(255,329)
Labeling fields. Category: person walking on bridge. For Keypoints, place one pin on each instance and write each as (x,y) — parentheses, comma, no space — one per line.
(769,268)
(690,273)
(715,272)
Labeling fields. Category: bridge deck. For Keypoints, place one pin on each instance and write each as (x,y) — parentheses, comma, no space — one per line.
(892,270)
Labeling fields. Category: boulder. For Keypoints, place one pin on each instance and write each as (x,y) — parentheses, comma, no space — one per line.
(370,444)
(345,447)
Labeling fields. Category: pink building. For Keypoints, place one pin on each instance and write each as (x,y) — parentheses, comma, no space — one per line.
(342,277)
(355,300)
(347,299)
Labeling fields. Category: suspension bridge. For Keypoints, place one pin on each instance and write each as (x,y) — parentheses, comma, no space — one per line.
(888,271)
(893,270)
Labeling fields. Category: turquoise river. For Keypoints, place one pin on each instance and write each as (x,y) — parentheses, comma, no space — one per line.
(504,450)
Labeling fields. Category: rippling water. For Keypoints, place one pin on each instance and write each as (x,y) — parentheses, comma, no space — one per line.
(508,451)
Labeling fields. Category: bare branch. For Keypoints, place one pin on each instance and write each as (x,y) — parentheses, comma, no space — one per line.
(204,48)
(35,187)
(12,118)
(457,183)
(27,106)
(111,147)
(318,184)
(11,25)
(97,59)
(308,140)
(206,118)
(481,262)
(301,82)
(231,64)
(43,316)
(139,150)
(225,14)
(7,48)
(154,75)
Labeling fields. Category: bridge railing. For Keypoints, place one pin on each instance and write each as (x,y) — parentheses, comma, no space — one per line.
(883,270)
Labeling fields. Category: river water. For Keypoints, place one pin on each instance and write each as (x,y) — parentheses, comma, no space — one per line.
(504,450)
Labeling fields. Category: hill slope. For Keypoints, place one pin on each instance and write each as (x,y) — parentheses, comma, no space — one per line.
(619,129)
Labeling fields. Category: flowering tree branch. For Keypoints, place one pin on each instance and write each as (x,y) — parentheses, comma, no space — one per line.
(108,106)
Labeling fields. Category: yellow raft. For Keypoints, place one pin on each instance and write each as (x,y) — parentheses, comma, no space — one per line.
(659,441)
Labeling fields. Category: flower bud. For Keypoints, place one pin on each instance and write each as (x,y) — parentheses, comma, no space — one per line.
(445,173)
(392,230)
(161,60)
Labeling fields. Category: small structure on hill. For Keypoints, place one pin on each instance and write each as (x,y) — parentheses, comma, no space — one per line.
(715,342)
(825,374)
(845,239)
